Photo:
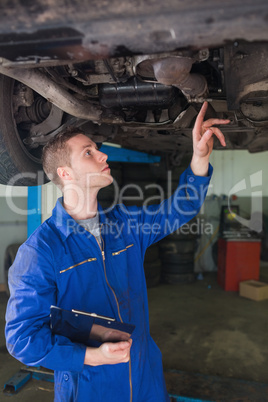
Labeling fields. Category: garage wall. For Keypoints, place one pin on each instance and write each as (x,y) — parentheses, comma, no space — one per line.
(235,172)
(13,219)
(50,194)
(231,167)
(244,175)
(238,172)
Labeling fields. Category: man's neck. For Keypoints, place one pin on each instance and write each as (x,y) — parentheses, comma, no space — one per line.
(81,205)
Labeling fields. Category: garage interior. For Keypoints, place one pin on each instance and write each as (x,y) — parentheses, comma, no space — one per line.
(213,341)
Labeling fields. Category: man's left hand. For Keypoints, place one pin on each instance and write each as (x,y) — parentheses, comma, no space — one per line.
(203,132)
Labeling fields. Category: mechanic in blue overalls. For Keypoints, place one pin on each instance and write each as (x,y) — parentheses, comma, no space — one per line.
(73,264)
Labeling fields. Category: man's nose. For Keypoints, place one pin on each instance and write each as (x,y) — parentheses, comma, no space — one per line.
(102,157)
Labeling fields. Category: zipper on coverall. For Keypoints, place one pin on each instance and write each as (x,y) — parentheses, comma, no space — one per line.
(118,309)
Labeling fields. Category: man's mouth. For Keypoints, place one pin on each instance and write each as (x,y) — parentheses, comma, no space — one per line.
(106,168)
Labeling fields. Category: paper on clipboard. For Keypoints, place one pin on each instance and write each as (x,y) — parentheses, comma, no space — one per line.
(83,327)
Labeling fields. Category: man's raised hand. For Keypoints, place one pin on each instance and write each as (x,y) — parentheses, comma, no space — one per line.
(203,132)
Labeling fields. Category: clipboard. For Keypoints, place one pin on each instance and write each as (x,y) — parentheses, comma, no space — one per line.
(90,329)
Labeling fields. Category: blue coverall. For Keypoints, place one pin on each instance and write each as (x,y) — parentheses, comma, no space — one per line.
(61,264)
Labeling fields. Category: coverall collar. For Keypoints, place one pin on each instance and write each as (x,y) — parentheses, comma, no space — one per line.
(67,225)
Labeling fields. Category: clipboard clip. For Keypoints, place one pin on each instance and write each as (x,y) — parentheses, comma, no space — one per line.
(94,315)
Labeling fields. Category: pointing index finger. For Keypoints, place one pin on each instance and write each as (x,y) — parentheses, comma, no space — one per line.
(200,117)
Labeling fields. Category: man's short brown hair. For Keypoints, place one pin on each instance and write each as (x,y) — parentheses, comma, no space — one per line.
(56,153)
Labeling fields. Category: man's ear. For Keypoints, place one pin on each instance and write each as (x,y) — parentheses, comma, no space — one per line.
(64,173)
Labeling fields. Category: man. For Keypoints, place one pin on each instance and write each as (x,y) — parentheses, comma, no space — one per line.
(65,265)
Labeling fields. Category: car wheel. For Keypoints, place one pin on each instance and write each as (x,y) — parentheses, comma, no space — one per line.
(20,164)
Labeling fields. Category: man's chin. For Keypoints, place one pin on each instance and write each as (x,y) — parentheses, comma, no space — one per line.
(107,180)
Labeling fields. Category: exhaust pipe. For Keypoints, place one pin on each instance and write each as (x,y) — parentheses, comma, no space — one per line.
(175,71)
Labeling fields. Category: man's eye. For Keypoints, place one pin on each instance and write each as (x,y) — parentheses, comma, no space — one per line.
(87,152)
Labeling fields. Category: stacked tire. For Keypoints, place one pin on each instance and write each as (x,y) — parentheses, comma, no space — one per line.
(152,266)
(138,179)
(176,250)
(177,255)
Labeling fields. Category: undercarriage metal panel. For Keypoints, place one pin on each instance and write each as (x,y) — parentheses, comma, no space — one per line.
(246,70)
(81,29)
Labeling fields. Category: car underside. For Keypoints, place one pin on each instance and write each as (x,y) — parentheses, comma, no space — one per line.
(132,74)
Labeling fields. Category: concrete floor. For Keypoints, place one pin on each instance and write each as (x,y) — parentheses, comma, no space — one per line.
(206,330)
(199,329)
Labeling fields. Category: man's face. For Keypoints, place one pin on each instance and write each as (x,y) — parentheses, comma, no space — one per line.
(89,166)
